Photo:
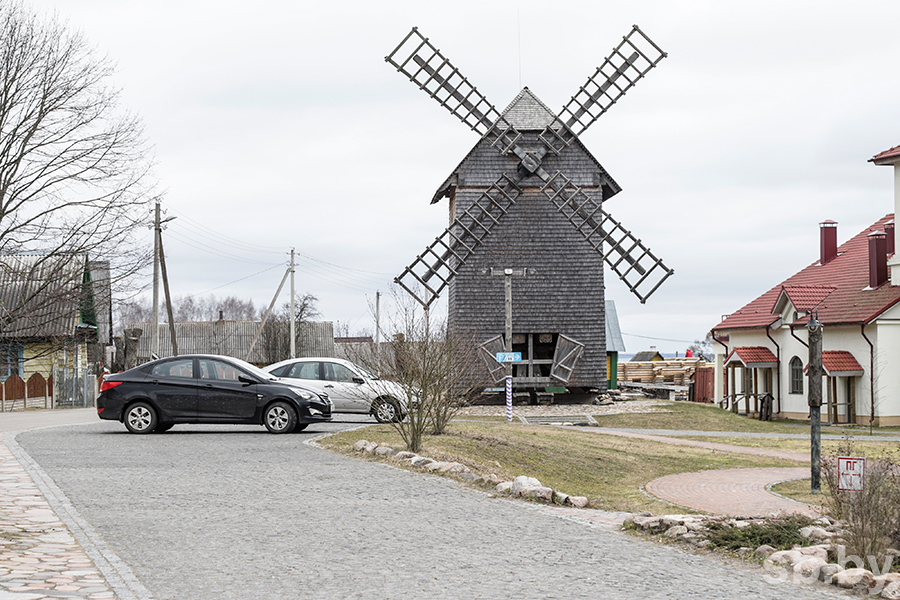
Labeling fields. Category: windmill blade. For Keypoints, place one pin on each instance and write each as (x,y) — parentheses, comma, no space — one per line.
(418,59)
(432,270)
(635,55)
(628,257)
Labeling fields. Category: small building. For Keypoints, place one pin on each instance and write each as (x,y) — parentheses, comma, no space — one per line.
(647,356)
(614,344)
(763,346)
(52,309)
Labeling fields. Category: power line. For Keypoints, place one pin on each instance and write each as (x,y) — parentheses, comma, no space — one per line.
(232,282)
(647,337)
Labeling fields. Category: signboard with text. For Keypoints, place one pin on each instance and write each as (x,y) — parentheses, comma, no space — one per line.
(509,357)
(851,473)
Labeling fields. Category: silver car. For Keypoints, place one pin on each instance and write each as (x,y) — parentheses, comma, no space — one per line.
(351,388)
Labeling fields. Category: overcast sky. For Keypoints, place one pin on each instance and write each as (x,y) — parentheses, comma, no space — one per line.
(278,124)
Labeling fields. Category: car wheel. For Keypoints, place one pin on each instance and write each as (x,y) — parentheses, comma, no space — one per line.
(385,410)
(280,418)
(300,427)
(140,418)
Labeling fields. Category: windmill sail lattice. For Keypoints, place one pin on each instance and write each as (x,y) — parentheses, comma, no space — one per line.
(627,256)
(635,55)
(432,270)
(419,60)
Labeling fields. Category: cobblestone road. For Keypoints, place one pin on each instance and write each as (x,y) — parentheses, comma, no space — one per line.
(234,513)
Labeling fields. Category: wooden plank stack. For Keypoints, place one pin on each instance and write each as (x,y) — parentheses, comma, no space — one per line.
(677,371)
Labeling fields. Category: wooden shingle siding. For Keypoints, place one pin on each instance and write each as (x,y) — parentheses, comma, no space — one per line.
(565,295)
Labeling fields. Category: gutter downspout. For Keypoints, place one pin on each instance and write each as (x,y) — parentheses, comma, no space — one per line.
(724,370)
(777,369)
(862,330)
(796,338)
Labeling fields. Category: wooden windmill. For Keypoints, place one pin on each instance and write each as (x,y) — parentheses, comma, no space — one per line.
(529,196)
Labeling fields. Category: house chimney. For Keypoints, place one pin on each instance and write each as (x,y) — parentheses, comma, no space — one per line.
(878,272)
(889,240)
(827,241)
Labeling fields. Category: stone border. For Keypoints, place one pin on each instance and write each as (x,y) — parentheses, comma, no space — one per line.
(522,487)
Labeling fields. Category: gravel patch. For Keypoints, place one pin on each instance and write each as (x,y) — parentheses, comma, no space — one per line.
(553,410)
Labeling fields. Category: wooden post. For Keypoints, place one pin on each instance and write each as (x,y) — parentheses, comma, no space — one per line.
(851,399)
(815,403)
(830,399)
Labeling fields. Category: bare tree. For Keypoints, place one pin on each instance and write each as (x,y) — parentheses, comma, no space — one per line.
(190,308)
(74,181)
(275,340)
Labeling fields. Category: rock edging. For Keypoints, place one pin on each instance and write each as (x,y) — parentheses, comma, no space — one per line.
(824,559)
(521,487)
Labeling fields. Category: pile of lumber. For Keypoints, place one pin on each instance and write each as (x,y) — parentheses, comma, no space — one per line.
(676,371)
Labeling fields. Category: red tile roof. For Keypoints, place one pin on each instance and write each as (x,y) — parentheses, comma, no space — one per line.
(752,355)
(839,361)
(851,301)
(886,157)
(807,297)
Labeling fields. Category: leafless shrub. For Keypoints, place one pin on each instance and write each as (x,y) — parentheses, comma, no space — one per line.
(872,516)
(437,372)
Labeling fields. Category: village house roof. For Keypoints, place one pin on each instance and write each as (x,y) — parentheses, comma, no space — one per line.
(887,157)
(752,356)
(840,363)
(40,295)
(646,355)
(850,300)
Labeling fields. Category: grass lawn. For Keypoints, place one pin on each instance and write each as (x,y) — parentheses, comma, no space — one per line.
(609,470)
(799,490)
(866,446)
(707,417)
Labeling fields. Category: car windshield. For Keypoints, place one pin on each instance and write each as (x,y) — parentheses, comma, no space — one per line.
(253,370)
(365,373)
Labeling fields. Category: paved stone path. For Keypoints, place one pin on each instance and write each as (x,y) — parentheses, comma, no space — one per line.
(725,491)
(226,513)
(39,557)
(734,492)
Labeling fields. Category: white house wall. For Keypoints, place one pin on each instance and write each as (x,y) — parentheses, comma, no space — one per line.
(795,406)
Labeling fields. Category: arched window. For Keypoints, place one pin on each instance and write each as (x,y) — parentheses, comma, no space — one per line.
(796,376)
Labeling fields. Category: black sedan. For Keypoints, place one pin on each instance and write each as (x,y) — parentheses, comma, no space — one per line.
(207,389)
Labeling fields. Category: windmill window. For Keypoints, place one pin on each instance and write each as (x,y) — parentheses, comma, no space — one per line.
(796,376)
(12,361)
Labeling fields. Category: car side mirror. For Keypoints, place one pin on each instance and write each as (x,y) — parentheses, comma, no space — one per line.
(245,380)
(358,380)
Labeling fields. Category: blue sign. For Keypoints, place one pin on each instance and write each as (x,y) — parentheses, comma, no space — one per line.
(509,357)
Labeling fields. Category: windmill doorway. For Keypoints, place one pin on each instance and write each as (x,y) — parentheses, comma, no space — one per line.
(547,358)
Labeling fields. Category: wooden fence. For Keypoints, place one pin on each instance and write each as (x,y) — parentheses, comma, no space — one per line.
(16,394)
(40,392)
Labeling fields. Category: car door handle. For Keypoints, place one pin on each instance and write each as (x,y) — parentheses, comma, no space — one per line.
(329,386)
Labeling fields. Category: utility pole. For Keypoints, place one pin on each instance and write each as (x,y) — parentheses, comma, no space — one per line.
(815,402)
(508,274)
(293,332)
(154,338)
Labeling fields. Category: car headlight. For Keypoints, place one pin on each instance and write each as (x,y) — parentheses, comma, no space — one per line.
(304,394)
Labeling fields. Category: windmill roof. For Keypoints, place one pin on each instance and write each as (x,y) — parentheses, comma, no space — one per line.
(887,157)
(851,301)
(526,113)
